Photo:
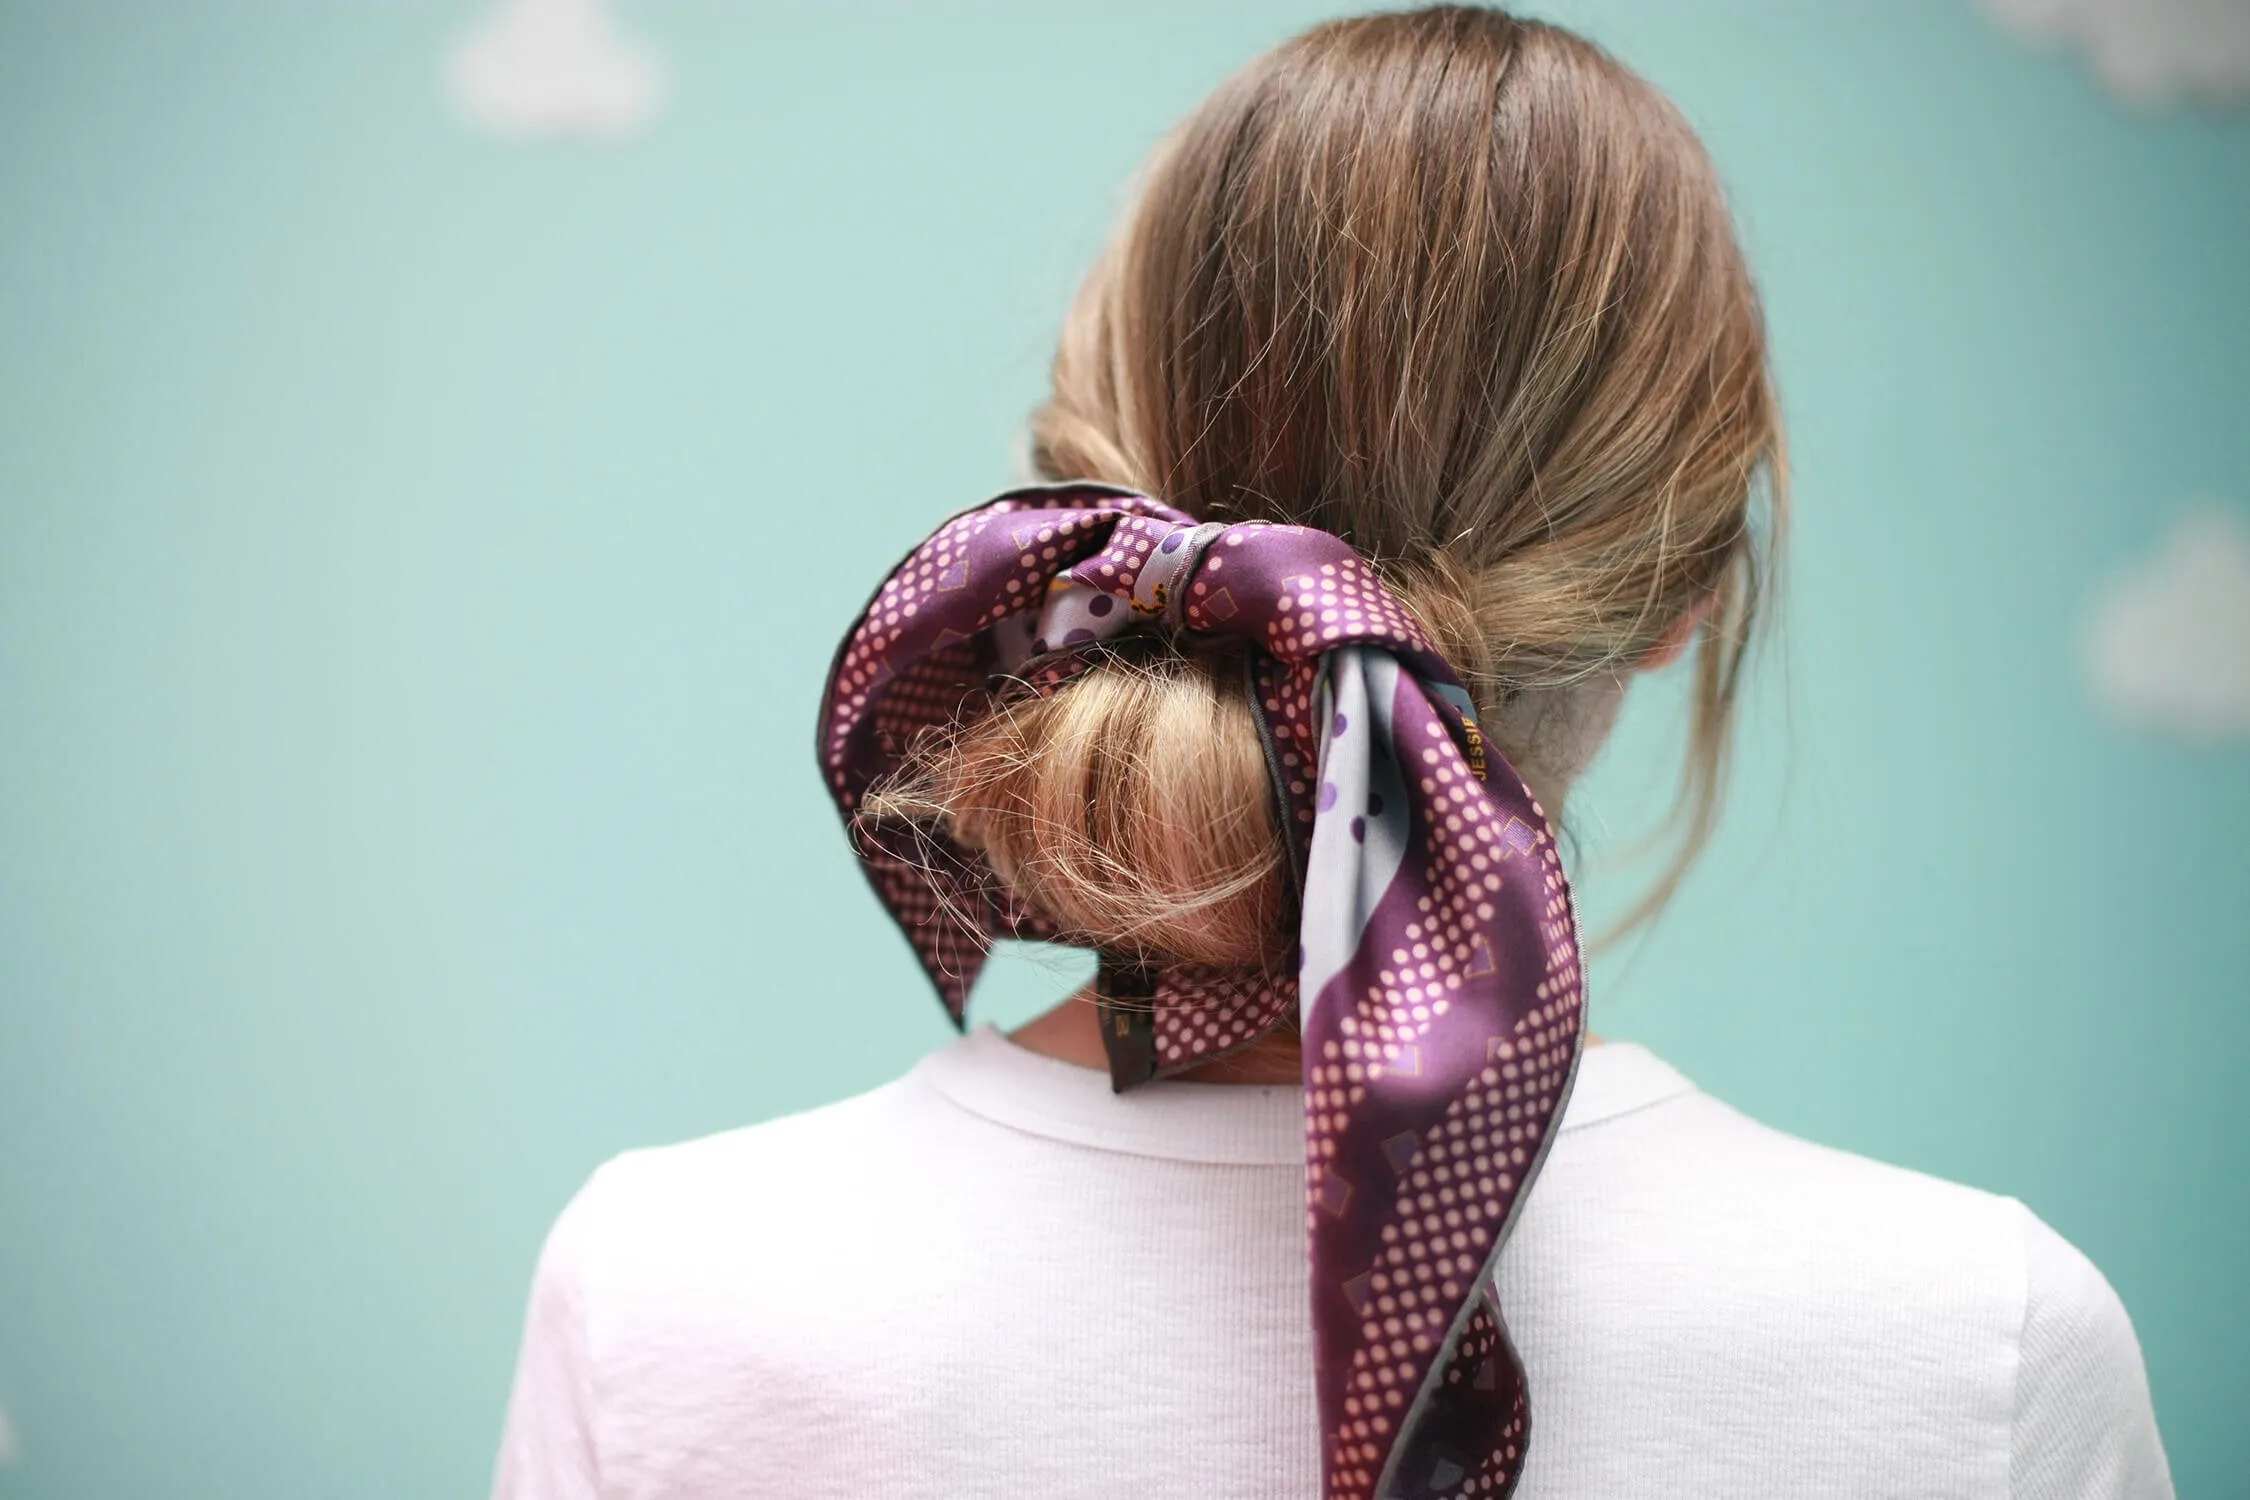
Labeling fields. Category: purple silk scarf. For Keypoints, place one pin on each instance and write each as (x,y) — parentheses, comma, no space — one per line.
(1438,976)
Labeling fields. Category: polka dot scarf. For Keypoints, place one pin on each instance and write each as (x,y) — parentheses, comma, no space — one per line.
(1437,982)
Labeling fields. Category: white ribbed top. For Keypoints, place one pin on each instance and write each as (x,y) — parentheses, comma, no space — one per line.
(996,1278)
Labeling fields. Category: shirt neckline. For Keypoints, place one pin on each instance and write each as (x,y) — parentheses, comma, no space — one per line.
(1230,1124)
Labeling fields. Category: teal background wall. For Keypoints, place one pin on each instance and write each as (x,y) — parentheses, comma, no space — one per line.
(405,688)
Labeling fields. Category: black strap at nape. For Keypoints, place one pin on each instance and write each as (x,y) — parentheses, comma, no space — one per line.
(1125,995)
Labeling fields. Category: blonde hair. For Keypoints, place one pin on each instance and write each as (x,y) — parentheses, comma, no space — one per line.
(1463,290)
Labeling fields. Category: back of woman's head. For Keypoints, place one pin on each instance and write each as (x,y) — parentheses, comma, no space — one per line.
(1463,290)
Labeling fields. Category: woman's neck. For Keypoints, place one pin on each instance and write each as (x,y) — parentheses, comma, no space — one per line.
(1072,1033)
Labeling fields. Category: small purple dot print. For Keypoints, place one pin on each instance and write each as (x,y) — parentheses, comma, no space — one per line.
(1327,795)
(1075,636)
(1171,543)
(1359,830)
(1039,643)
(1340,725)
(1099,605)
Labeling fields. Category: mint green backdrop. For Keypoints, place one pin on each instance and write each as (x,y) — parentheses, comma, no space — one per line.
(406,679)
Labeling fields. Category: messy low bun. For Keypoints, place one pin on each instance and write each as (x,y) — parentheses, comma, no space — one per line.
(1130,806)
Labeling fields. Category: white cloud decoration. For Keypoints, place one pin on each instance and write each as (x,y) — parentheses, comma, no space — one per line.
(547,69)
(2148,53)
(2168,641)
